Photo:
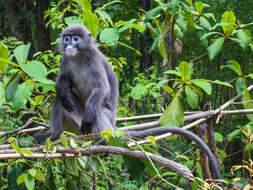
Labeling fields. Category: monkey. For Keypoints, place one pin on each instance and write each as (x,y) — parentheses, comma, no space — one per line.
(87,94)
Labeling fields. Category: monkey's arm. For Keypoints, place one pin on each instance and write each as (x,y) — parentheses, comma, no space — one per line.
(63,89)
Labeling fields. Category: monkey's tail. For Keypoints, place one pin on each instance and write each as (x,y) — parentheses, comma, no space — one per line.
(184,132)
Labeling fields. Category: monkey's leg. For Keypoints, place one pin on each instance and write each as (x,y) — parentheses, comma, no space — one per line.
(103,121)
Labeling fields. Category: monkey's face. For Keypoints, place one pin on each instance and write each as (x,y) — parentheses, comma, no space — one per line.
(71,43)
(75,39)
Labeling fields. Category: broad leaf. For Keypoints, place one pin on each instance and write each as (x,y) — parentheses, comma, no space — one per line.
(234,134)
(110,36)
(240,85)
(163,49)
(22,95)
(218,137)
(21,53)
(247,104)
(90,20)
(73,20)
(228,17)
(29,182)
(85,4)
(35,69)
(199,7)
(191,97)
(184,70)
(14,172)
(243,39)
(64,140)
(11,89)
(215,47)
(204,23)
(174,113)
(105,16)
(206,86)
(4,53)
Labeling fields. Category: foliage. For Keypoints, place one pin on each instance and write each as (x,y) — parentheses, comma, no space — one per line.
(203,27)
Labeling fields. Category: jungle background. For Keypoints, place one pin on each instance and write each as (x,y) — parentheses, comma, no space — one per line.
(170,56)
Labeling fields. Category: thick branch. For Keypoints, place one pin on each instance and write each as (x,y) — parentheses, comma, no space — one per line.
(92,150)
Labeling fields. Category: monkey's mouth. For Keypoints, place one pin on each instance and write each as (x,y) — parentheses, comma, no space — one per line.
(70,50)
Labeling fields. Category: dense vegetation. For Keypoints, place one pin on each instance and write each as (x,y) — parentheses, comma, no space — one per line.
(169,56)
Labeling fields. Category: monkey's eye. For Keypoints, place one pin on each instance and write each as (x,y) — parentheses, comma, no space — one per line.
(66,38)
(75,38)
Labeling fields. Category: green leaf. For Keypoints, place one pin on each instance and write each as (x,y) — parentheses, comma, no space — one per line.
(134,166)
(26,151)
(35,69)
(14,173)
(222,83)
(21,179)
(129,47)
(6,61)
(21,53)
(29,182)
(22,95)
(15,147)
(110,36)
(243,39)
(39,176)
(38,99)
(152,13)
(105,16)
(228,17)
(64,140)
(250,75)
(152,140)
(11,89)
(218,137)
(184,71)
(4,53)
(206,86)
(189,1)
(174,113)
(191,97)
(215,47)
(85,4)
(235,66)
(144,186)
(162,46)
(138,91)
(247,104)
(73,20)
(90,20)
(240,85)
(199,7)
(173,72)
(204,23)
(32,171)
(234,134)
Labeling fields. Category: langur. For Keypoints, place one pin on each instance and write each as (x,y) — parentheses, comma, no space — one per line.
(87,93)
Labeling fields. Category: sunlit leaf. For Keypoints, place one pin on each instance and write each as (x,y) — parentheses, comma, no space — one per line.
(90,20)
(73,20)
(4,53)
(184,71)
(64,140)
(228,17)
(199,7)
(218,137)
(85,4)
(35,69)
(233,65)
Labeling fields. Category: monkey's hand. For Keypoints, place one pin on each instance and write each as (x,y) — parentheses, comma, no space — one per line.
(86,127)
(67,103)
(88,120)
